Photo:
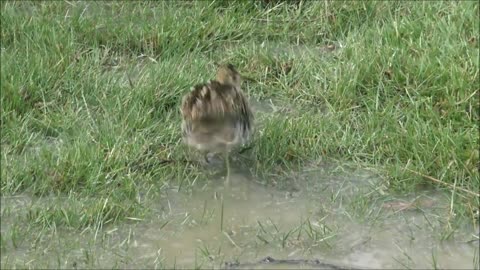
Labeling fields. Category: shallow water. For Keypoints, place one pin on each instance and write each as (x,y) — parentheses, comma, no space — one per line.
(343,221)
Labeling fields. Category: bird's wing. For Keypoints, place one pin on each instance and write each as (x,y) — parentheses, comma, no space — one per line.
(214,100)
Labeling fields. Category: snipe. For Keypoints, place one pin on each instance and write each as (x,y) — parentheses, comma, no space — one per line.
(217,116)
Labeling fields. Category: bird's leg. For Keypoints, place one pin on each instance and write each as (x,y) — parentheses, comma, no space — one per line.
(227,162)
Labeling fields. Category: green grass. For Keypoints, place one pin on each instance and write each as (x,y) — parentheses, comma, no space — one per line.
(90,94)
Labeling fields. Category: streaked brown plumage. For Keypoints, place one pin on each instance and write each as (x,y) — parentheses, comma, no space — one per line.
(216,115)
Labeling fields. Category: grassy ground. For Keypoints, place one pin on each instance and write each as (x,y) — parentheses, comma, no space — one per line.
(90,94)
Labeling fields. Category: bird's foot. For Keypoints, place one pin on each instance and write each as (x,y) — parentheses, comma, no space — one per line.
(212,159)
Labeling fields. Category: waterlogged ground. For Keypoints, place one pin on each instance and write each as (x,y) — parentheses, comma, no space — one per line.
(326,217)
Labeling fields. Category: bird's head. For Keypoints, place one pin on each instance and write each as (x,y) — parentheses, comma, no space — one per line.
(227,74)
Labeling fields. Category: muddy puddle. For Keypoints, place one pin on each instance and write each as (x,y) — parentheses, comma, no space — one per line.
(327,220)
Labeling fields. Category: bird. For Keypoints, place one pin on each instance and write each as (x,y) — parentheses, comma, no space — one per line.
(216,116)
